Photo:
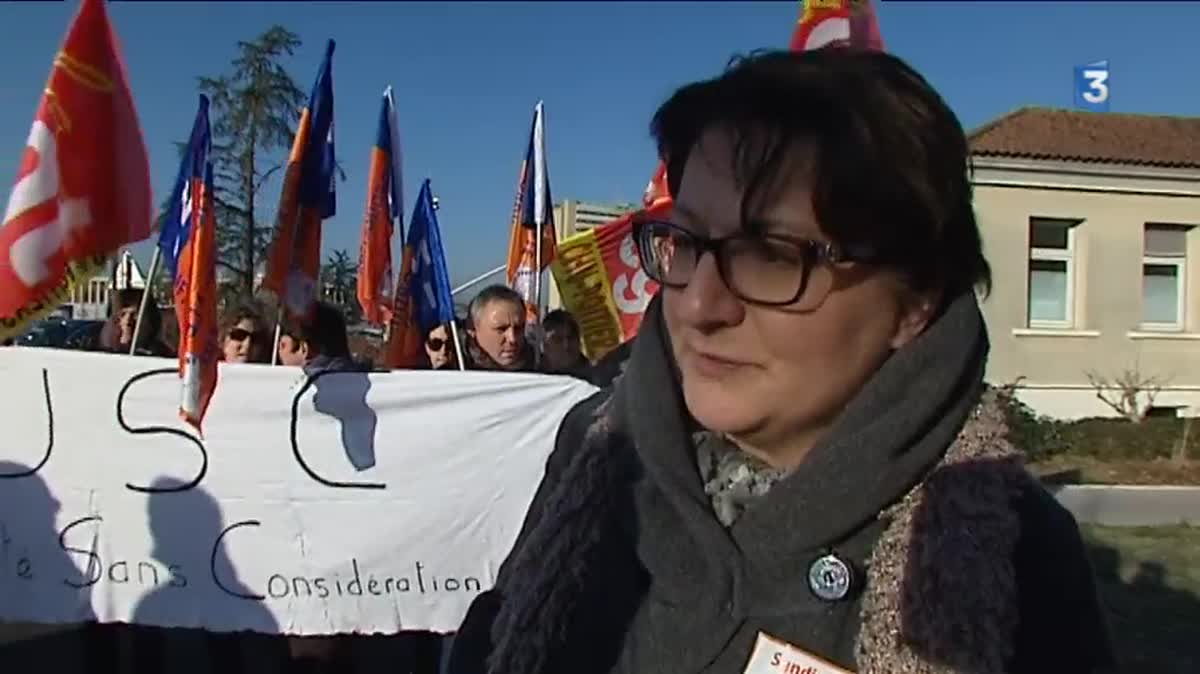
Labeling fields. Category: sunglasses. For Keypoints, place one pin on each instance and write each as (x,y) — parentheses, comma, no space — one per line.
(240,335)
(436,343)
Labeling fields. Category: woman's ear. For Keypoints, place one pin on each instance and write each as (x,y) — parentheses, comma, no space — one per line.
(917,312)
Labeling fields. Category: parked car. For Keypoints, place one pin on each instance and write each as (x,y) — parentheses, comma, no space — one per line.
(49,332)
(83,335)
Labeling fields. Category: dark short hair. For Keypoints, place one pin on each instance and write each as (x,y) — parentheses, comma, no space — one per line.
(243,312)
(151,321)
(892,165)
(490,294)
(127,297)
(324,330)
(561,319)
(458,324)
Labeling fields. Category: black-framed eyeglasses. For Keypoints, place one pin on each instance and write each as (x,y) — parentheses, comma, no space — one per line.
(766,269)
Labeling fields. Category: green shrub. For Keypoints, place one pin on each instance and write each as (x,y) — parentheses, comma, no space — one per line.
(1120,439)
(1106,439)
(1039,436)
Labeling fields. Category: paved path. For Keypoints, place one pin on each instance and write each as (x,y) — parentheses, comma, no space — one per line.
(1126,506)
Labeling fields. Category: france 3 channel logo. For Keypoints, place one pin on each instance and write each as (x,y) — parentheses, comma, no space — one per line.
(1091,86)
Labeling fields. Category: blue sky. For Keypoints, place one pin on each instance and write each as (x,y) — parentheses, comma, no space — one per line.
(468,75)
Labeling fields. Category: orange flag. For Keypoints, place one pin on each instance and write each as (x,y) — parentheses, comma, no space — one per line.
(187,242)
(533,215)
(308,197)
(385,205)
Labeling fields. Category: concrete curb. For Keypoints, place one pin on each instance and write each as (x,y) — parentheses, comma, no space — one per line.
(1130,505)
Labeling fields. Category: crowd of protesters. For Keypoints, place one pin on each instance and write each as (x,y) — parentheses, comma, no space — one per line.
(495,337)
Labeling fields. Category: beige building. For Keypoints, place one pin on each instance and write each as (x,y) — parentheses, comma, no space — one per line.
(89,300)
(1090,222)
(572,217)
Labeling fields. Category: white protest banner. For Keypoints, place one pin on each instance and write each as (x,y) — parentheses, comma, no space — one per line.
(352,503)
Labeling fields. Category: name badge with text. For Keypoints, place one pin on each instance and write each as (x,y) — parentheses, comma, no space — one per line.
(773,656)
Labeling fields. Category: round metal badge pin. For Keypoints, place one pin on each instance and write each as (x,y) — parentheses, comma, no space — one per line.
(830,578)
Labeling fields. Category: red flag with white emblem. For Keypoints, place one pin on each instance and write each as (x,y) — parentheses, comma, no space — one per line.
(83,186)
(838,23)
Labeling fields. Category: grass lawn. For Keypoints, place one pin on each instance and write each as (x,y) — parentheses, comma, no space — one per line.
(1149,579)
(1087,470)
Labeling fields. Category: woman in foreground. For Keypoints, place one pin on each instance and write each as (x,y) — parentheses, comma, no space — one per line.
(802,466)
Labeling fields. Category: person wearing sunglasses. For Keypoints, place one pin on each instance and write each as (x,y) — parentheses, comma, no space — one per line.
(802,468)
(439,348)
(246,339)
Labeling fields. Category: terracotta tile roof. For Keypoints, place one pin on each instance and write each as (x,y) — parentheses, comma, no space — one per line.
(1110,138)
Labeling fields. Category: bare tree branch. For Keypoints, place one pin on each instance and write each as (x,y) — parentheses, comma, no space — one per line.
(1123,394)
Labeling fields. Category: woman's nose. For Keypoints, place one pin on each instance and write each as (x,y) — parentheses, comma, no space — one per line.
(707,299)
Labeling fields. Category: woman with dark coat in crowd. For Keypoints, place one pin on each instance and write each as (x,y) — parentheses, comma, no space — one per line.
(801,469)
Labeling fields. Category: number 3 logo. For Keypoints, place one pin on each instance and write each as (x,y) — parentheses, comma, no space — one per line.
(1097,86)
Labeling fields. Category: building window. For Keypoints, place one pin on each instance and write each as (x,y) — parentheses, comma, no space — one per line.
(1164,276)
(1051,273)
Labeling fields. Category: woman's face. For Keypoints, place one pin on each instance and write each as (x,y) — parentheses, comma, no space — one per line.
(242,342)
(775,378)
(439,348)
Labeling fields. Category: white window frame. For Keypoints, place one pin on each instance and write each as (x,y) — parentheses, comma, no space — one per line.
(1180,264)
(1052,255)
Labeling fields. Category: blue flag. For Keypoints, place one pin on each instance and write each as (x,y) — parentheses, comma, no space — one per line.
(429,287)
(177,221)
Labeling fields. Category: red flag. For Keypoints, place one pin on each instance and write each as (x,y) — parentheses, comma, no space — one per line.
(83,186)
(384,208)
(657,195)
(842,23)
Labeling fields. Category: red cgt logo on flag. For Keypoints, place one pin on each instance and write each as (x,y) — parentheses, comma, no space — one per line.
(83,189)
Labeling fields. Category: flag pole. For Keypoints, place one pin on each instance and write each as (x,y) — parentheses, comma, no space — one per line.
(112,281)
(278,328)
(462,364)
(149,290)
(541,191)
(478,279)
(537,295)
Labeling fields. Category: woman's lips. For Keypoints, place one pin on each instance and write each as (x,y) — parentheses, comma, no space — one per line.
(715,366)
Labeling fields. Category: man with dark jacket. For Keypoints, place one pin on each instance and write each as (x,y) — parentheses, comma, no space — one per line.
(496,332)
(562,351)
(611,365)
